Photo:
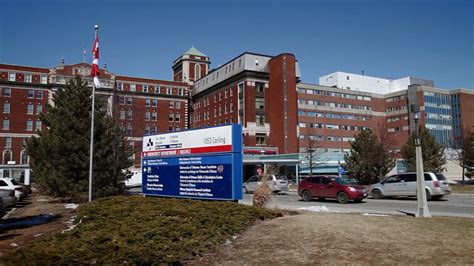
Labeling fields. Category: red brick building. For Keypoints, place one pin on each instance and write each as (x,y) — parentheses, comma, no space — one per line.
(262,92)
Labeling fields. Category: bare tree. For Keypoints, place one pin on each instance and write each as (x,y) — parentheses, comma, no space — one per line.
(461,150)
(312,151)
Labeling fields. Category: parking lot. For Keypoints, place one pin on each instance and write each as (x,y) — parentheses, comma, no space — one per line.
(458,205)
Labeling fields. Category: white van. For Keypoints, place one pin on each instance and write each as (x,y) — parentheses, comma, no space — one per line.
(404,184)
(134,179)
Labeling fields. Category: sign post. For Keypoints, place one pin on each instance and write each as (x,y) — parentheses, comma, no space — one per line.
(200,164)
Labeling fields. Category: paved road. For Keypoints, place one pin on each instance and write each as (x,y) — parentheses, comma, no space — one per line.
(461,205)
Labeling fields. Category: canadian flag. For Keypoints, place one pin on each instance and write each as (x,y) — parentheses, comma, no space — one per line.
(95,60)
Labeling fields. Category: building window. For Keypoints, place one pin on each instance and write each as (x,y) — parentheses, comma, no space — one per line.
(231,107)
(154,103)
(259,103)
(28,78)
(168,91)
(39,94)
(120,86)
(8,142)
(129,100)
(122,114)
(181,91)
(260,139)
(147,116)
(177,105)
(6,108)
(260,119)
(259,86)
(38,125)
(31,94)
(153,129)
(171,117)
(7,156)
(29,111)
(133,87)
(24,157)
(147,102)
(7,92)
(154,116)
(171,104)
(176,117)
(6,124)
(11,77)
(44,79)
(122,100)
(129,114)
(197,71)
(129,129)
(145,88)
(147,129)
(29,125)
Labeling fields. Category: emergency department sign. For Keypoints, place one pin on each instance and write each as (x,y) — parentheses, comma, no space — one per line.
(201,163)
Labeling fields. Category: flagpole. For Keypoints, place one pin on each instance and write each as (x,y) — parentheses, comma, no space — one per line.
(92,132)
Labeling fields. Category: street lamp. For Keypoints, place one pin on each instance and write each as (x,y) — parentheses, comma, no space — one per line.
(422,210)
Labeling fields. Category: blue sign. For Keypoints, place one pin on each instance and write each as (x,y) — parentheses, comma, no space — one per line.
(208,171)
(340,170)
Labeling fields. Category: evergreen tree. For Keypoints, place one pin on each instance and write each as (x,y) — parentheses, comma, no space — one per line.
(468,155)
(369,159)
(60,153)
(432,152)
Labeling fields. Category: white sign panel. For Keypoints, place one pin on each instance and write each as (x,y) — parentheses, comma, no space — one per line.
(215,139)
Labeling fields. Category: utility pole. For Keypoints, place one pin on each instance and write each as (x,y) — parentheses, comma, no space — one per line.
(422,210)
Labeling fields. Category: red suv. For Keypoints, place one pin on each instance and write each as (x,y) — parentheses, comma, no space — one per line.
(322,187)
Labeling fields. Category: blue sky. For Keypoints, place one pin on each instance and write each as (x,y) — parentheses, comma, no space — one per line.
(393,39)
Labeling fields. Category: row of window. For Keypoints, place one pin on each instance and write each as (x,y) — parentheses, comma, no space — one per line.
(27,77)
(29,125)
(396,98)
(149,129)
(335,94)
(327,138)
(146,88)
(332,126)
(334,105)
(149,116)
(397,108)
(8,156)
(217,111)
(29,110)
(205,102)
(396,118)
(333,115)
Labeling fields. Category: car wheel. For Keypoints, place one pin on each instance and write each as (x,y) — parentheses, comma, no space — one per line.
(244,190)
(377,194)
(306,195)
(342,197)
(428,195)
(437,197)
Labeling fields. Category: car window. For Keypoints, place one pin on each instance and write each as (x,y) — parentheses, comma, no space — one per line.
(316,179)
(281,177)
(440,176)
(408,177)
(326,180)
(16,183)
(392,179)
(3,183)
(428,177)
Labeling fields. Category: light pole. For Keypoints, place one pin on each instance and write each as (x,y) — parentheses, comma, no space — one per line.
(422,210)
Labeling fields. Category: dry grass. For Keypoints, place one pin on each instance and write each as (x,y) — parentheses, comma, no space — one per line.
(328,238)
(466,189)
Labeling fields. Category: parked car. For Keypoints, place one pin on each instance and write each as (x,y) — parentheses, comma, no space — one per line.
(8,197)
(10,183)
(404,184)
(323,187)
(277,183)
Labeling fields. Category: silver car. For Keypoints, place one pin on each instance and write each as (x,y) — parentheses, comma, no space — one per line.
(404,184)
(277,183)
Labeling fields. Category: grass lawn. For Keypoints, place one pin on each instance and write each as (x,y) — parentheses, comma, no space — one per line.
(467,188)
(139,230)
(334,239)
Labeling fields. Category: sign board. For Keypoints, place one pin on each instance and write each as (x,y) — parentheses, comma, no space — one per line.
(201,163)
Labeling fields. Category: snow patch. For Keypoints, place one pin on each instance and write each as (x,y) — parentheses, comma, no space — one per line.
(71,206)
(315,209)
